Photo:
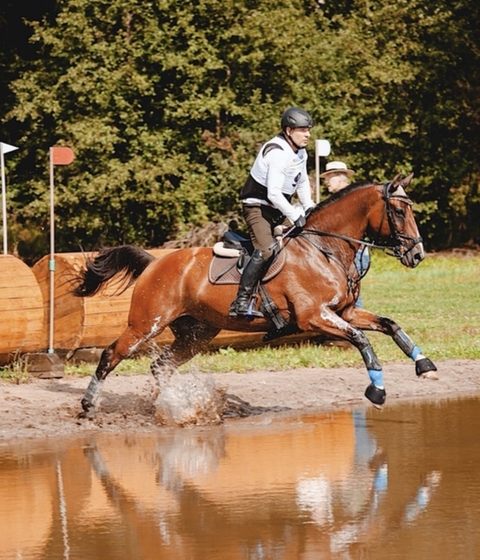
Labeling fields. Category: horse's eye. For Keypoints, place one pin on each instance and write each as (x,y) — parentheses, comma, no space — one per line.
(400,212)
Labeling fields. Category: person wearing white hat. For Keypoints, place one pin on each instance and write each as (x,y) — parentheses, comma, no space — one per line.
(337,177)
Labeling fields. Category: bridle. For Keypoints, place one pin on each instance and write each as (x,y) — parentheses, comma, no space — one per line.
(397,245)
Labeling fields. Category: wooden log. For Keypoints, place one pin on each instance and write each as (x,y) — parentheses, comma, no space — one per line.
(21,310)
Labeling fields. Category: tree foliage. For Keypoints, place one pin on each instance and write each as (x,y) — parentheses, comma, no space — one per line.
(165,104)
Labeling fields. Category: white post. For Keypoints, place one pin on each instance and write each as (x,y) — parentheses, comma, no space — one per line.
(322,149)
(4,149)
(51,264)
(4,207)
(59,155)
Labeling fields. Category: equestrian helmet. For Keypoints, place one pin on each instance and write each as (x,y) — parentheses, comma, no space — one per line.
(296,118)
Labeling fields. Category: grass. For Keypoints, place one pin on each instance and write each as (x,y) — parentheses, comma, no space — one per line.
(15,372)
(437,304)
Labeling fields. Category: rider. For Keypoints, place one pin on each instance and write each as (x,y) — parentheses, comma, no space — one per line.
(279,171)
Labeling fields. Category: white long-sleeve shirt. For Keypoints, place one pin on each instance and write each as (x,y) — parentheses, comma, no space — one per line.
(282,172)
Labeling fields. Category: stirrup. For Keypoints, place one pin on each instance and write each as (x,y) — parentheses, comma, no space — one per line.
(248,313)
(253,314)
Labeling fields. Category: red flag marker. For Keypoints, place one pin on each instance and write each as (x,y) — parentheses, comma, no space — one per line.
(62,155)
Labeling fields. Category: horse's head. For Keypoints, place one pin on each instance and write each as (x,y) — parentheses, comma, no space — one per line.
(382,213)
(394,224)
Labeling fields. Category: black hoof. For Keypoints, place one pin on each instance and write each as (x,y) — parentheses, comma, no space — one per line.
(375,395)
(423,366)
(88,409)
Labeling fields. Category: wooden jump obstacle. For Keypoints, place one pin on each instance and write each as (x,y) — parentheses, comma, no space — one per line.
(83,322)
(21,310)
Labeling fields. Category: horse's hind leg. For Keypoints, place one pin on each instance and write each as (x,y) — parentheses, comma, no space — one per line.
(105,366)
(191,337)
(122,348)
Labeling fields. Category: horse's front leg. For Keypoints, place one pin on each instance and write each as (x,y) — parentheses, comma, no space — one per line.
(330,323)
(375,392)
(366,320)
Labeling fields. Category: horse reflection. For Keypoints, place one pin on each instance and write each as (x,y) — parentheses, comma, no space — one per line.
(308,486)
(318,485)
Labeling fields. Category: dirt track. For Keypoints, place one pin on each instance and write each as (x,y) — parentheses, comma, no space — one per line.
(45,407)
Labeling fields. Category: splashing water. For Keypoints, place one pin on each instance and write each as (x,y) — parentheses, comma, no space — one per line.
(187,399)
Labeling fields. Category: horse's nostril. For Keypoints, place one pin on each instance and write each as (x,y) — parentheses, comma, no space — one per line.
(418,258)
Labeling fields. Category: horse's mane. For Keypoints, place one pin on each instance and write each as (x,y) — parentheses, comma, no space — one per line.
(340,194)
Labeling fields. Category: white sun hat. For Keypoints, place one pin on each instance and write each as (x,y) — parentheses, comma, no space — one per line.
(337,167)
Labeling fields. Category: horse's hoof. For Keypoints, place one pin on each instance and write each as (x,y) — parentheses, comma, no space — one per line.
(375,395)
(86,414)
(429,375)
(88,409)
(425,369)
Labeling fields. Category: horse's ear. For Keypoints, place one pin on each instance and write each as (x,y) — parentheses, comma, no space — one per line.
(399,181)
(407,180)
(396,181)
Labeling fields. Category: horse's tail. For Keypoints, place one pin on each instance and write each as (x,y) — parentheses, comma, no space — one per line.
(129,260)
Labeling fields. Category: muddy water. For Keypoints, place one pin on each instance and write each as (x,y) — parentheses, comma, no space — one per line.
(400,484)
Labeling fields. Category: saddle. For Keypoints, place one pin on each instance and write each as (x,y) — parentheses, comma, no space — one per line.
(230,256)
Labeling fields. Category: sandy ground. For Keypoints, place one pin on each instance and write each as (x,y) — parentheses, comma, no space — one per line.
(50,407)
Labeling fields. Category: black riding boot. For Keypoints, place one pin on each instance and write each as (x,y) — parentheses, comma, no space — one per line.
(253,272)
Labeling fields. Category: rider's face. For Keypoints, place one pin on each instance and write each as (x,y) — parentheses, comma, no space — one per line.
(300,136)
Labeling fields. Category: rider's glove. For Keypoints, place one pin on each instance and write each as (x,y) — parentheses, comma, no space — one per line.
(300,222)
(299,225)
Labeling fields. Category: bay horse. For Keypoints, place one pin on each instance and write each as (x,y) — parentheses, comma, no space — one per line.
(316,290)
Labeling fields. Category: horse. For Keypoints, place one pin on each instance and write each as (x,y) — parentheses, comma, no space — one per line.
(315,291)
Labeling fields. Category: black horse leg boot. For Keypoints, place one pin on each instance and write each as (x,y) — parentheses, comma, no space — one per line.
(253,272)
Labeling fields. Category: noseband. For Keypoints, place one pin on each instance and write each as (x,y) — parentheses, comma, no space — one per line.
(399,244)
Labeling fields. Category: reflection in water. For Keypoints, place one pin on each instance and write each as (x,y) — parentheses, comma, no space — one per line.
(423,496)
(347,485)
(63,512)
(357,496)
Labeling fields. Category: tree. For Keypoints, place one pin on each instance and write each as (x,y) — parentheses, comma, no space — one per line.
(165,105)
(158,105)
(412,104)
